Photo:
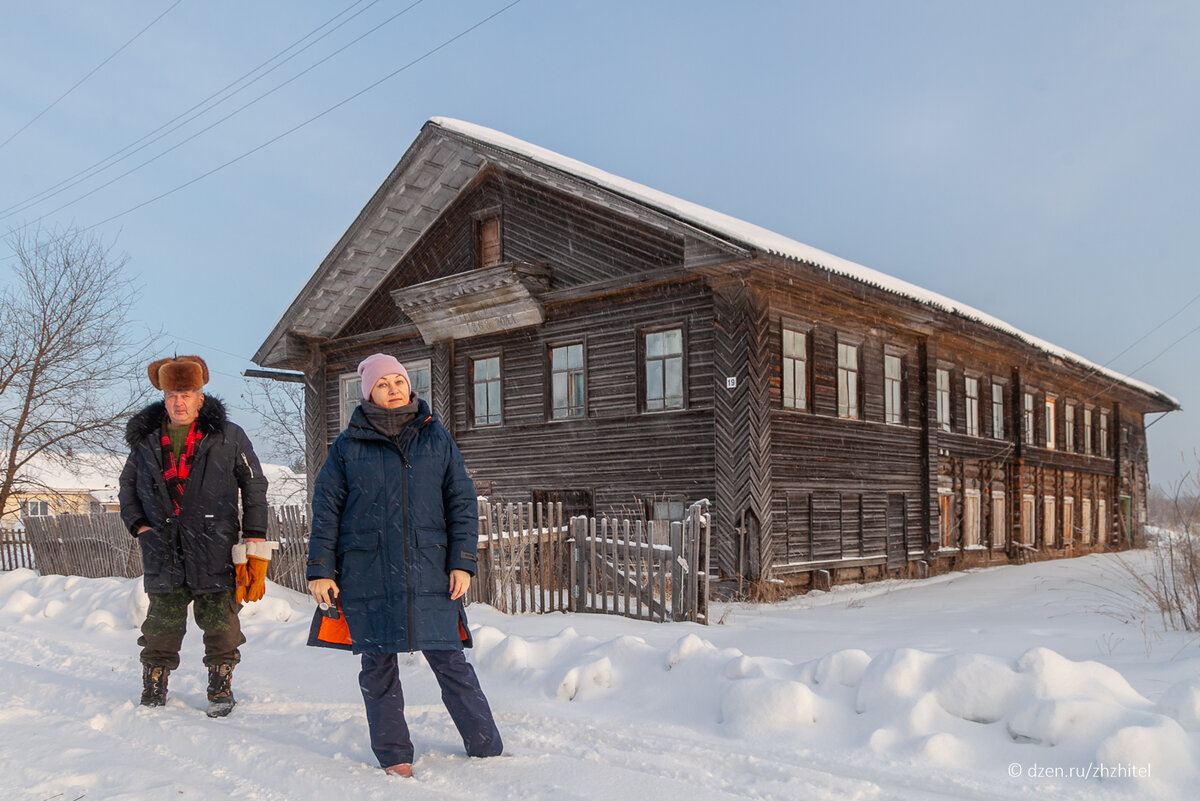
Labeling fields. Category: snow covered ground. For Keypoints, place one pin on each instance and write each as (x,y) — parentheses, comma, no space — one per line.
(991,684)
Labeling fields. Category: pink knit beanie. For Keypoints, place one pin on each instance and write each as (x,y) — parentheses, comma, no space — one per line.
(377,365)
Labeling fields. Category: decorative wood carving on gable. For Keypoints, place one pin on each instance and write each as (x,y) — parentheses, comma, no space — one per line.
(481,301)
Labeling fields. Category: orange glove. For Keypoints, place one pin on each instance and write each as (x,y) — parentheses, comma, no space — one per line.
(241,572)
(258,557)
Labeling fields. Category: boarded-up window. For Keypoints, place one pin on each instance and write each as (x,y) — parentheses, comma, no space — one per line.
(893,390)
(1049,520)
(971,515)
(1102,520)
(1068,521)
(485,381)
(1085,520)
(1027,519)
(847,381)
(998,523)
(795,369)
(566,381)
(799,527)
(487,238)
(947,524)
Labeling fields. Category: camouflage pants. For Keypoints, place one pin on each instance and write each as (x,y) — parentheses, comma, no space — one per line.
(216,614)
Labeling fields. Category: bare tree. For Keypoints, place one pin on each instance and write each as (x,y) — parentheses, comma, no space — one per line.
(70,368)
(280,434)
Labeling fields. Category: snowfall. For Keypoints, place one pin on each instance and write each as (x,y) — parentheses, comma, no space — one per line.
(1044,679)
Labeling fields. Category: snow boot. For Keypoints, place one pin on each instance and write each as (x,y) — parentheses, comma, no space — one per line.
(154,685)
(220,693)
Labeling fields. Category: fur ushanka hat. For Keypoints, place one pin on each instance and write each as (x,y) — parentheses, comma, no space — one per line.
(178,373)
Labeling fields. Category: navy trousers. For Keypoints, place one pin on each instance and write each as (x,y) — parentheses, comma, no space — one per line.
(461,693)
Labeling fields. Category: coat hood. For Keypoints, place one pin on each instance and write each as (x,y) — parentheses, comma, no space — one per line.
(149,420)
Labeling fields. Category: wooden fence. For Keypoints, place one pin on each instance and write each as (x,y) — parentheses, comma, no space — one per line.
(15,550)
(530,559)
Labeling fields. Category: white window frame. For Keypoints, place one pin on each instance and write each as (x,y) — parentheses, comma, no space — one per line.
(1087,431)
(943,399)
(795,369)
(1103,435)
(971,389)
(1051,406)
(348,384)
(997,410)
(848,367)
(893,389)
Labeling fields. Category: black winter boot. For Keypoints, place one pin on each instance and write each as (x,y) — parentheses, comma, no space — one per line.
(220,693)
(154,685)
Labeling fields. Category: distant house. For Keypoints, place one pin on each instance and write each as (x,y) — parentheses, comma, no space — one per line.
(591,340)
(90,484)
(45,487)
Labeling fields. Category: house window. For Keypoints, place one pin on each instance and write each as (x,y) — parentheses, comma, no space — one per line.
(1087,431)
(847,381)
(419,374)
(998,537)
(487,241)
(1051,422)
(971,516)
(664,369)
(1103,437)
(972,388)
(1085,520)
(893,390)
(566,381)
(997,410)
(1029,431)
(1069,427)
(665,509)
(795,369)
(35,508)
(485,379)
(943,399)
(1101,520)
(349,394)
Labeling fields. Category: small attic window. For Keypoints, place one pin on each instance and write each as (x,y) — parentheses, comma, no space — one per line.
(487,240)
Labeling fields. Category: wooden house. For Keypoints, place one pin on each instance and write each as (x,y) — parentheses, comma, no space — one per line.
(591,340)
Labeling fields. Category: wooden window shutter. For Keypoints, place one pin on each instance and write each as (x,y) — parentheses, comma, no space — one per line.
(489,241)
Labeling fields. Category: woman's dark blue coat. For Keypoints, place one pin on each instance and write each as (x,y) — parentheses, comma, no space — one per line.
(390,520)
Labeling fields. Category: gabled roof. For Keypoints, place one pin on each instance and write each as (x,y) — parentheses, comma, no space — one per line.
(448,154)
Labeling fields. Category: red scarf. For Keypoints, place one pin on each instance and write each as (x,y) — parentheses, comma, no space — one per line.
(176,473)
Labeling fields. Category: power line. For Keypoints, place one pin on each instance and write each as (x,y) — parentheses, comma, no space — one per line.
(309,121)
(228,116)
(90,74)
(122,154)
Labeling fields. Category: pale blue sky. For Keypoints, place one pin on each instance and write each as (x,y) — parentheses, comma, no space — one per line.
(1037,160)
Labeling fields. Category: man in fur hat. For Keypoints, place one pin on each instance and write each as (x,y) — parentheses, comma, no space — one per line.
(179,498)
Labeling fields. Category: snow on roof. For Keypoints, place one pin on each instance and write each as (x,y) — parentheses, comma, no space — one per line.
(767,241)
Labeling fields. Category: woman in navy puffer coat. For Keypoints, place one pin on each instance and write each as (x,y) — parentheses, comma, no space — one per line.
(394,539)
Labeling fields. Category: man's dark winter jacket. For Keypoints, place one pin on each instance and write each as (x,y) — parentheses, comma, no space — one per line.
(391,519)
(193,549)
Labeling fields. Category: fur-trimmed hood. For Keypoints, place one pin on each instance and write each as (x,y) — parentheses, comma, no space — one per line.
(210,420)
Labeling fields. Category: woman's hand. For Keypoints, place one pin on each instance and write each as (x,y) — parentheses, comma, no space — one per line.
(324,590)
(460,582)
